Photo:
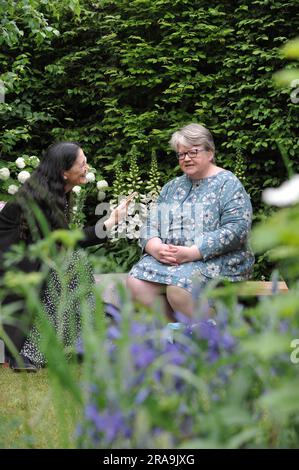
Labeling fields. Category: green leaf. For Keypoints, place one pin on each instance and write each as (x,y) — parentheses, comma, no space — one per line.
(291,49)
(267,345)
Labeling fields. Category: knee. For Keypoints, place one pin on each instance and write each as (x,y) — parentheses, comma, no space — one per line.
(173,295)
(140,290)
(143,291)
(179,299)
(133,285)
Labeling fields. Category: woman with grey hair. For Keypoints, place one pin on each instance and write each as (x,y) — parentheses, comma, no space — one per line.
(198,229)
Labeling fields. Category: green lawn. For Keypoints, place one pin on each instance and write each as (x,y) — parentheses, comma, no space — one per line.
(28,418)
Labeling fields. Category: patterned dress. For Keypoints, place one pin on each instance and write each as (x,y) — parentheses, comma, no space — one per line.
(213,213)
(64,310)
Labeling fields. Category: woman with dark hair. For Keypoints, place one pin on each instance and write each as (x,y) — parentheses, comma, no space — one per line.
(47,192)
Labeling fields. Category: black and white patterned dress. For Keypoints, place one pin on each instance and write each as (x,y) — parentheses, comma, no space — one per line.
(62,301)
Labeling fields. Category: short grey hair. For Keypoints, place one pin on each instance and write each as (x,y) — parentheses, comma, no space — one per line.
(193,134)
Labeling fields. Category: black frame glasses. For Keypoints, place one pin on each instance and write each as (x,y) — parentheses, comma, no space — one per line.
(192,153)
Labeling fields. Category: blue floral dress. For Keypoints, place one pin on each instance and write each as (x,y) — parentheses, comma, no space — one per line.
(213,213)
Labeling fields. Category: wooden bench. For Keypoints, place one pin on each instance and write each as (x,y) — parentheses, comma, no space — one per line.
(109,282)
(261,288)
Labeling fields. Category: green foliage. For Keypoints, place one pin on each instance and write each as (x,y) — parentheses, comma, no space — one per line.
(240,167)
(119,77)
(116,74)
(244,397)
(30,417)
(198,391)
(118,256)
(12,179)
(291,49)
(287,76)
(78,216)
(279,235)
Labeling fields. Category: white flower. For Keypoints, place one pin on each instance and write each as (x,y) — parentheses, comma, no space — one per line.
(23,176)
(102,184)
(132,232)
(4,174)
(131,209)
(101,196)
(20,162)
(76,189)
(12,189)
(136,219)
(149,197)
(90,177)
(285,195)
(75,209)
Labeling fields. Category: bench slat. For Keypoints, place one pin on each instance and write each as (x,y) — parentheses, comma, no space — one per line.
(261,288)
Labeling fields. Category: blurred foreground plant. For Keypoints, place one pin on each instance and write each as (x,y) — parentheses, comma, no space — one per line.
(197,383)
(225,381)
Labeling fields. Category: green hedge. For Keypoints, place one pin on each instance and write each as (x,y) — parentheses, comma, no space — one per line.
(113,74)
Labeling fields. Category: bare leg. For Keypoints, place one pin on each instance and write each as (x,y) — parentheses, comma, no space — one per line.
(180,300)
(150,293)
(145,292)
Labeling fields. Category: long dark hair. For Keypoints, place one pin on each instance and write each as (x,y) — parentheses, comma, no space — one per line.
(46,187)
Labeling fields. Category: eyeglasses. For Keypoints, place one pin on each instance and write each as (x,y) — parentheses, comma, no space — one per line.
(191,153)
